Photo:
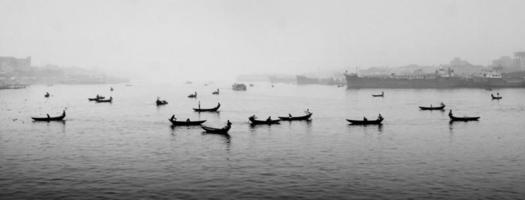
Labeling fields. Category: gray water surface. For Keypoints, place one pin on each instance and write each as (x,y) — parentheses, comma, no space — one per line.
(127,149)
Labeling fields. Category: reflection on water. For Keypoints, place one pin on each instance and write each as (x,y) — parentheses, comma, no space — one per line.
(130,150)
(226,138)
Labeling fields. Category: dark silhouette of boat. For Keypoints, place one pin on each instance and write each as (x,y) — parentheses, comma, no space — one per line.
(497,97)
(239,87)
(48,118)
(214,109)
(216,92)
(194,95)
(160,102)
(188,122)
(379,95)
(96,97)
(47,95)
(441,107)
(463,119)
(269,121)
(365,121)
(223,130)
(110,100)
(297,118)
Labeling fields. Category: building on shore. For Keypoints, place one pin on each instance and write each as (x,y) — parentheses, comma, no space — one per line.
(507,64)
(18,73)
(10,65)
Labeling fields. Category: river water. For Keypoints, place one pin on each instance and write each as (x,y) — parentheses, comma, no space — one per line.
(128,150)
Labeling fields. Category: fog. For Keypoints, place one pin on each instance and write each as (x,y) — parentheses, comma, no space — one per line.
(204,40)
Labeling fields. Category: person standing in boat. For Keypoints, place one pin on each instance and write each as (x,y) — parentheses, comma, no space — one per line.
(269,119)
(365,119)
(380,117)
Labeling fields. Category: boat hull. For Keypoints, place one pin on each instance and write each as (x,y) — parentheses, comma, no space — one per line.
(186,123)
(362,122)
(299,118)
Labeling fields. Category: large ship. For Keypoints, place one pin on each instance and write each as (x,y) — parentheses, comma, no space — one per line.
(304,80)
(437,80)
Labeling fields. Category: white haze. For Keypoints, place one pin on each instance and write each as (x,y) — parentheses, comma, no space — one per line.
(199,40)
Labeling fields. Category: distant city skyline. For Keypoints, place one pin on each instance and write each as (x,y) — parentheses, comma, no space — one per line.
(221,39)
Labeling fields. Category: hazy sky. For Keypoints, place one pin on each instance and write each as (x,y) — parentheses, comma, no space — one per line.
(183,39)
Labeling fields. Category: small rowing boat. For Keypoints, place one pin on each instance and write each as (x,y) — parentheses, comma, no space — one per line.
(160,102)
(194,95)
(110,100)
(497,97)
(365,121)
(463,119)
(297,118)
(223,130)
(48,118)
(188,122)
(441,107)
(214,109)
(96,97)
(379,95)
(269,121)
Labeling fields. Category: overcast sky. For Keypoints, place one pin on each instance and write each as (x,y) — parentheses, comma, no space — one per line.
(184,39)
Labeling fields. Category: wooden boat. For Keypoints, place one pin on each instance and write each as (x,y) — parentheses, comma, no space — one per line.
(297,118)
(110,100)
(463,119)
(194,95)
(496,97)
(216,92)
(269,121)
(223,130)
(442,107)
(97,97)
(160,102)
(378,121)
(48,118)
(379,95)
(214,109)
(174,121)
